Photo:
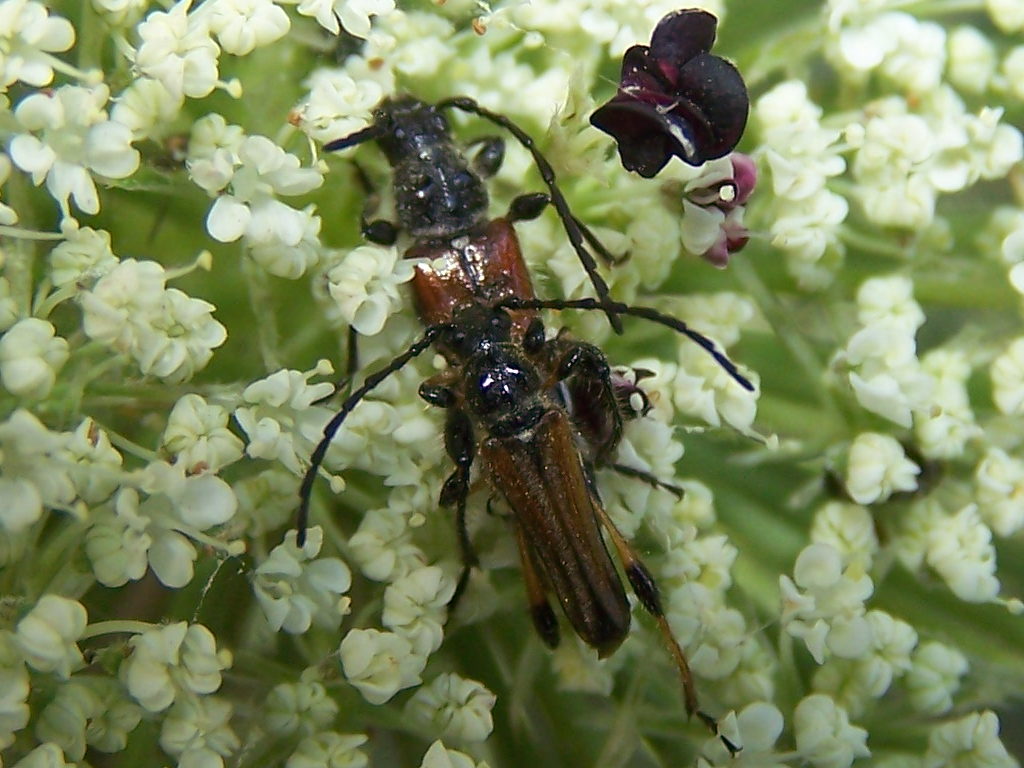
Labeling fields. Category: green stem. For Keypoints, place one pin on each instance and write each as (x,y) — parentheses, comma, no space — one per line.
(262,304)
(59,296)
(801,41)
(52,553)
(19,233)
(88,77)
(942,7)
(116,626)
(127,445)
(881,246)
(945,290)
(229,548)
(789,336)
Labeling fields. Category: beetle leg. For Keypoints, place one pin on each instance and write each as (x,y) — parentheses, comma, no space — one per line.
(379,231)
(469,559)
(352,356)
(646,590)
(461,447)
(351,367)
(527,207)
(544,620)
(589,393)
(488,159)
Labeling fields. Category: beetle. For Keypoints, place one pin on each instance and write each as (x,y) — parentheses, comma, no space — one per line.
(438,194)
(536,414)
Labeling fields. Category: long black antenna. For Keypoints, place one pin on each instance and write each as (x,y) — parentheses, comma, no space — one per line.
(332,427)
(369,133)
(574,228)
(647,313)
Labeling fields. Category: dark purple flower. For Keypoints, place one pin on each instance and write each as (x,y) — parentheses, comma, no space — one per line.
(675,98)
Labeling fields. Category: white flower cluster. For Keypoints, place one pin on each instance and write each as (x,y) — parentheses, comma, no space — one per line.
(457,709)
(29,34)
(47,470)
(328,748)
(695,576)
(611,24)
(379,664)
(31,356)
(886,375)
(154,521)
(957,545)
(889,379)
(47,635)
(295,588)
(906,51)
(908,155)
(394,441)
(648,445)
(862,652)
(905,159)
(1007,373)
(66,138)
(83,711)
(365,286)
(415,607)
(353,15)
(248,173)
(824,735)
(175,670)
(999,479)
(877,467)
(821,728)
(172,661)
(906,150)
(757,727)
(299,707)
(854,682)
(169,334)
(802,154)
(197,435)
(337,104)
(176,49)
(8,215)
(383,545)
(84,255)
(823,604)
(439,756)
(703,388)
(88,712)
(971,740)
(280,418)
